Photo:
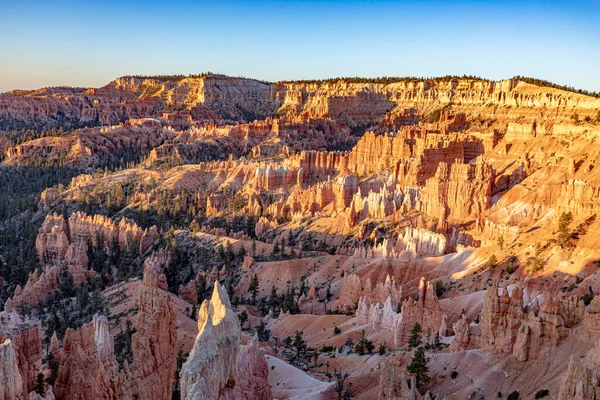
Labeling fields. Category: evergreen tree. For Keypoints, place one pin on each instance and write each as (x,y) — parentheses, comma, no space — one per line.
(564,233)
(243,316)
(418,367)
(299,344)
(253,289)
(40,386)
(415,335)
(273,298)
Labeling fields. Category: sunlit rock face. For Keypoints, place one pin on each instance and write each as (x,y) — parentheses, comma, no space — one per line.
(211,367)
(218,366)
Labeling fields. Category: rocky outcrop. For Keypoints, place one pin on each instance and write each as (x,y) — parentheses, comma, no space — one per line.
(10,376)
(582,380)
(461,334)
(395,387)
(26,342)
(84,228)
(458,192)
(153,367)
(591,320)
(189,292)
(252,374)
(249,263)
(425,310)
(52,241)
(353,289)
(87,364)
(210,370)
(57,241)
(511,327)
(39,286)
(421,242)
(378,316)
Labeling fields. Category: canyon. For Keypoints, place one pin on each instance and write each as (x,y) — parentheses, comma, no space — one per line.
(212,237)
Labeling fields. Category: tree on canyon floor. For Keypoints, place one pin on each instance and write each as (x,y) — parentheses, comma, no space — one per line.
(418,367)
(342,388)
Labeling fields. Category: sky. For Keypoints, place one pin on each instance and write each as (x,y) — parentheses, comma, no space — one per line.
(89,43)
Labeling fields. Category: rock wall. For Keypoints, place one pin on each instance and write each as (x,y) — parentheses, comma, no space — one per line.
(421,242)
(458,192)
(57,241)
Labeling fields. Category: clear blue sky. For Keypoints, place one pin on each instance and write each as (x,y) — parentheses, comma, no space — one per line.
(89,42)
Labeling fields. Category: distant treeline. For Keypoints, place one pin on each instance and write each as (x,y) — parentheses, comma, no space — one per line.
(544,83)
(28,92)
(386,80)
(179,77)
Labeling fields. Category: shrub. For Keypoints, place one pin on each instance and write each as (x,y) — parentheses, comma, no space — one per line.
(453,374)
(513,396)
(337,331)
(587,298)
(513,264)
(541,394)
(439,288)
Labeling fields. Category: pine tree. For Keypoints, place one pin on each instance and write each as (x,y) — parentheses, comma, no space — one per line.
(273,298)
(415,335)
(299,344)
(418,367)
(564,233)
(253,289)
(40,386)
